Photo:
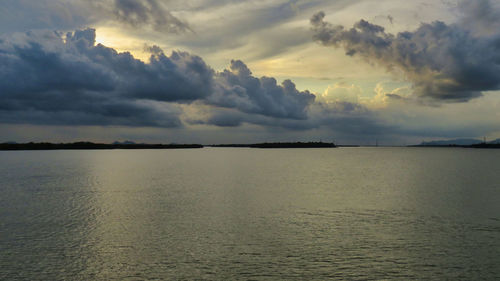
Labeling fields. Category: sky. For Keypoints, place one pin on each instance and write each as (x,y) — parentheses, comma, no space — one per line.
(225,71)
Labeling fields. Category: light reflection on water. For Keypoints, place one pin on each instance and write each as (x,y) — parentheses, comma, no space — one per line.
(222,213)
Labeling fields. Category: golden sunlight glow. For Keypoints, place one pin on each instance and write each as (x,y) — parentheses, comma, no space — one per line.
(113,38)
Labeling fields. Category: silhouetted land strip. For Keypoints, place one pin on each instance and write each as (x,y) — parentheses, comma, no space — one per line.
(90,145)
(486,145)
(294,145)
(281,145)
(102,146)
(479,145)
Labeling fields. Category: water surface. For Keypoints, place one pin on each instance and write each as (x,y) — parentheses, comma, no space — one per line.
(241,213)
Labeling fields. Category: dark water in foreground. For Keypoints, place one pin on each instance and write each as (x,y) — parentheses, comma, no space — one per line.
(238,213)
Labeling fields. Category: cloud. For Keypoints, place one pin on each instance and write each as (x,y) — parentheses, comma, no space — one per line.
(443,62)
(250,29)
(339,118)
(22,15)
(237,88)
(342,92)
(45,61)
(49,78)
(148,12)
(45,77)
(480,16)
(147,15)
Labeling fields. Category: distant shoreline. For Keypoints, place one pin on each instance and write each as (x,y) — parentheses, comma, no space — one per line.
(91,146)
(103,146)
(270,145)
(479,145)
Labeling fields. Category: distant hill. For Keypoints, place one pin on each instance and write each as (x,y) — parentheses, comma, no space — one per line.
(497,141)
(458,142)
(451,142)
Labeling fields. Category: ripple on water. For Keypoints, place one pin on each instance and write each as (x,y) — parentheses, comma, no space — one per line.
(241,214)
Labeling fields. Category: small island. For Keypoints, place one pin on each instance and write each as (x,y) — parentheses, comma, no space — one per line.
(281,145)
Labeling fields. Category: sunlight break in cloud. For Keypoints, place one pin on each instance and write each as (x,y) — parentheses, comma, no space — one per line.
(46,77)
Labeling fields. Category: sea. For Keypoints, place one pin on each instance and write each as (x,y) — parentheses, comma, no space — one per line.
(250,214)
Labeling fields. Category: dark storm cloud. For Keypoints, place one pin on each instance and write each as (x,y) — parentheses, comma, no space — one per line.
(43,61)
(103,112)
(46,77)
(148,12)
(237,88)
(443,62)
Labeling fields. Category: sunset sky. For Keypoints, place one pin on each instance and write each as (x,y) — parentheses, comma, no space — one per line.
(221,71)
